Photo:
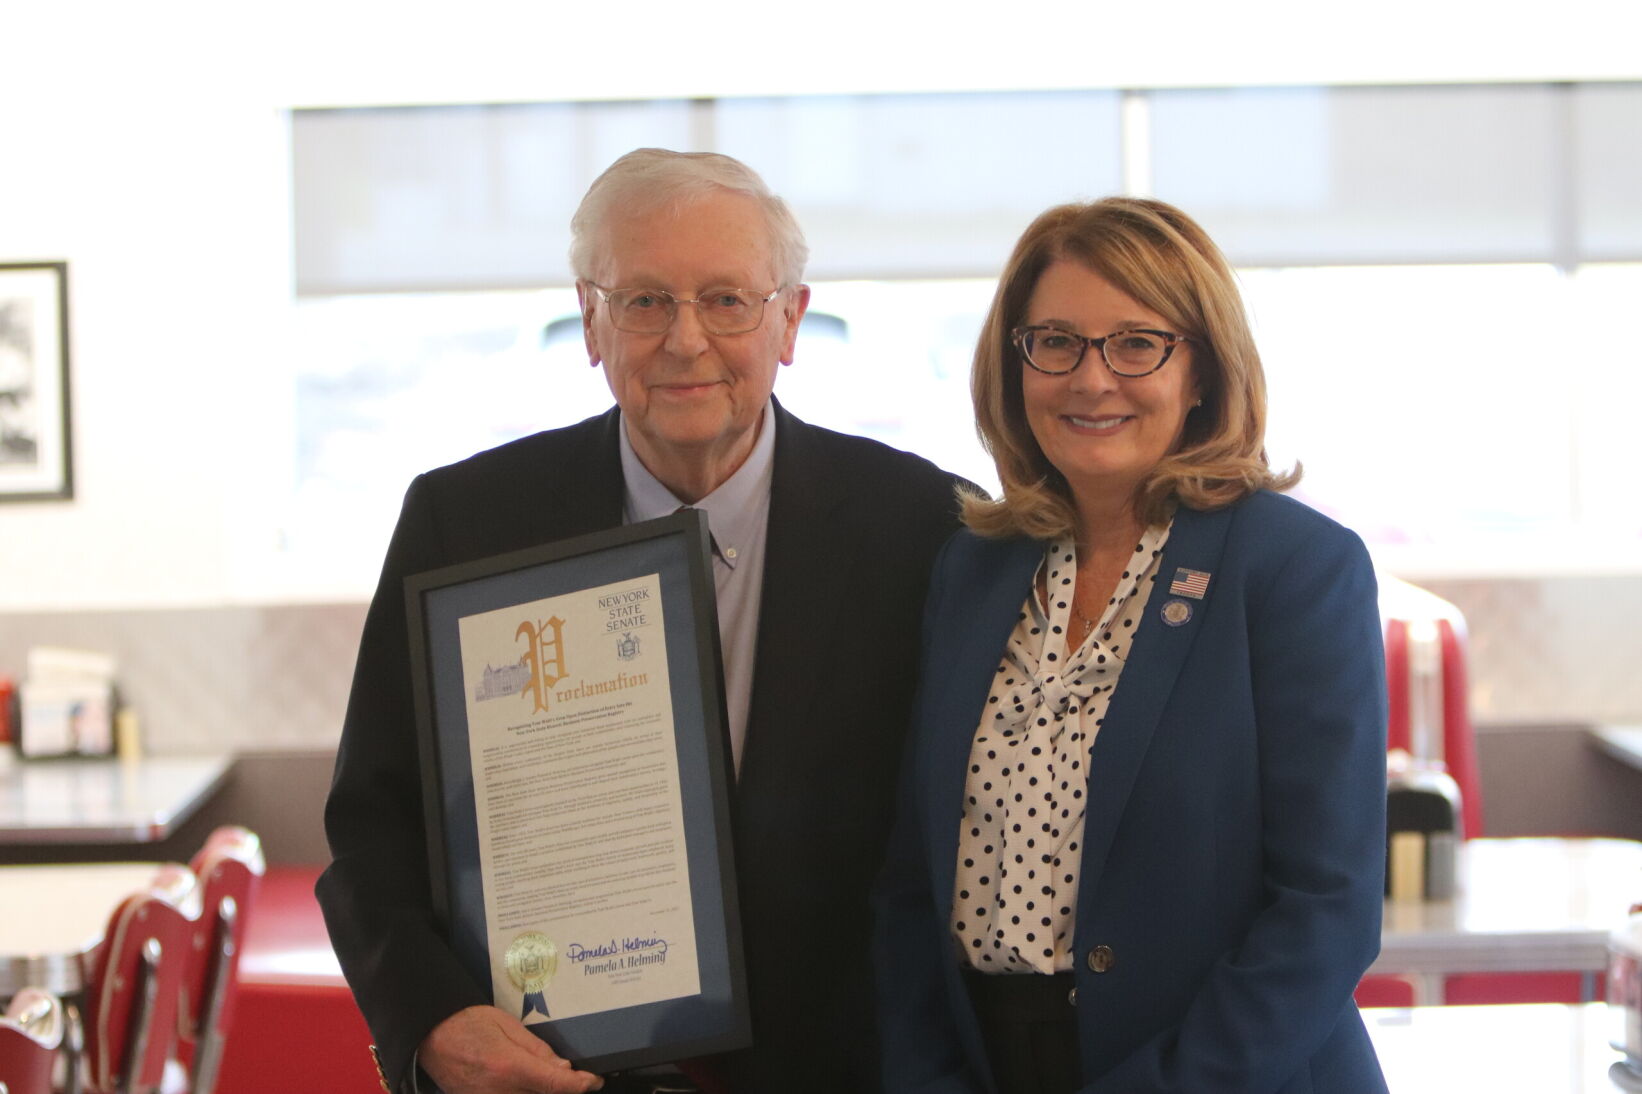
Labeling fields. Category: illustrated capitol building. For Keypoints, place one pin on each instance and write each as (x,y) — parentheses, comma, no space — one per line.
(502,682)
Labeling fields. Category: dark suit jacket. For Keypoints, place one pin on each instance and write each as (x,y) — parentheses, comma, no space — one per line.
(1233,845)
(853,528)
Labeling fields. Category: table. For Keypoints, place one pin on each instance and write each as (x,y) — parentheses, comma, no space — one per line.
(1623,743)
(51,917)
(1523,905)
(1543,1048)
(84,800)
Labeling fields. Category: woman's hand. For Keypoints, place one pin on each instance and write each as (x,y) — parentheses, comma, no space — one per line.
(483,1050)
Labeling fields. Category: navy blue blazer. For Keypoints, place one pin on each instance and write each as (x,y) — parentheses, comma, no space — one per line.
(1234,840)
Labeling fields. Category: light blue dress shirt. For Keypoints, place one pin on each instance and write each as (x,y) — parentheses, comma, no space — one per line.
(738,514)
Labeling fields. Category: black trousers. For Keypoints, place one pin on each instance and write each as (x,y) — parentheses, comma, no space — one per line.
(1029,1024)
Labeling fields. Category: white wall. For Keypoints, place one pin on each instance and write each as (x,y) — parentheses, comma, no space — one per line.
(158,175)
(146,145)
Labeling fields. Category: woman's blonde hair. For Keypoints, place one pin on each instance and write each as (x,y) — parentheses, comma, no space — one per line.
(1164,260)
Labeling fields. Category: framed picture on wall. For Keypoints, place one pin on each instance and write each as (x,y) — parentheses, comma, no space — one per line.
(36,458)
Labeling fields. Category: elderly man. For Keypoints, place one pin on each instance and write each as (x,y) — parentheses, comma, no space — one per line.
(688,271)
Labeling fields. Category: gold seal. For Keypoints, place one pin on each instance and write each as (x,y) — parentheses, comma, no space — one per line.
(531,961)
(1176,612)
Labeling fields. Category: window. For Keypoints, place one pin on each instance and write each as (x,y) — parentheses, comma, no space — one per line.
(1439,279)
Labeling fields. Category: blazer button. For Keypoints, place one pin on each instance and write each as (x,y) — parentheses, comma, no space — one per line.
(1072,998)
(1101,959)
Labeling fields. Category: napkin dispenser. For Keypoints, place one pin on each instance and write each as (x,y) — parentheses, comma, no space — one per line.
(67,704)
(1422,813)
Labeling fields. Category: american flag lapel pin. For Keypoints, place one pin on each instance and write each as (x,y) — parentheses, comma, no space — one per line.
(1192,583)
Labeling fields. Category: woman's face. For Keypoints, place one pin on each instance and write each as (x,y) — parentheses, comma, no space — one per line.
(1103,432)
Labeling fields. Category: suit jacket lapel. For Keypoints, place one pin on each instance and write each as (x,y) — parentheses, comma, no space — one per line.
(1196,542)
(802,596)
(979,629)
(586,491)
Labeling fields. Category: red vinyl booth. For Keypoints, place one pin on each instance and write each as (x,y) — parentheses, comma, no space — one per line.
(295,1023)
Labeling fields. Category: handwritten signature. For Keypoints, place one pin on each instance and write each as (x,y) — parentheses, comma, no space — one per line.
(577,952)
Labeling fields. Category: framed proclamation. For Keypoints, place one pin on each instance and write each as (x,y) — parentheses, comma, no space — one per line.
(576,772)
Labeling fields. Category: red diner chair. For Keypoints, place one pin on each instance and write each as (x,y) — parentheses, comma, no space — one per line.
(1429,719)
(31,1035)
(134,985)
(229,868)
(1428,693)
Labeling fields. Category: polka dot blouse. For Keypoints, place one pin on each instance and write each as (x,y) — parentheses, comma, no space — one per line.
(1019,847)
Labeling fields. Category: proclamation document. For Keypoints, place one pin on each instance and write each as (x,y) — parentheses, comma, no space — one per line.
(577,799)
(576,778)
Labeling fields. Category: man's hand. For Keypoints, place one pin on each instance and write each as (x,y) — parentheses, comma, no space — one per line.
(483,1050)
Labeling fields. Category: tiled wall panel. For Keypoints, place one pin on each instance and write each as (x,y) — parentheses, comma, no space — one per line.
(1550,651)
(1553,650)
(208,679)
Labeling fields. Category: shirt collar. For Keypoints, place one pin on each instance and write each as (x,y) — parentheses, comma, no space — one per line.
(732,510)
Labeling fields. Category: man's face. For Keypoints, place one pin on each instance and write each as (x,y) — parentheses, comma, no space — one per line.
(691,399)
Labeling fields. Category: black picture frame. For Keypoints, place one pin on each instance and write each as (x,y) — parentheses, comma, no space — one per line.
(676,550)
(36,444)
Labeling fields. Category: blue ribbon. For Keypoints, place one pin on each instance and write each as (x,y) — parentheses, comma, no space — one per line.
(534,1000)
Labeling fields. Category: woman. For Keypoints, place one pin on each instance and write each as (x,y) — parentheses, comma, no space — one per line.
(1141,837)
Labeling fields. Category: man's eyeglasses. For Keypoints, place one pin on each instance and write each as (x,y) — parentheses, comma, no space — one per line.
(651,311)
(1131,353)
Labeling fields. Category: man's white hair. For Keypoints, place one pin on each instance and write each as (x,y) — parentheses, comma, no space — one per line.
(650,178)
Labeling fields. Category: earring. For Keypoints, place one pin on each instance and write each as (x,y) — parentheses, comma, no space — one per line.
(1198,403)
